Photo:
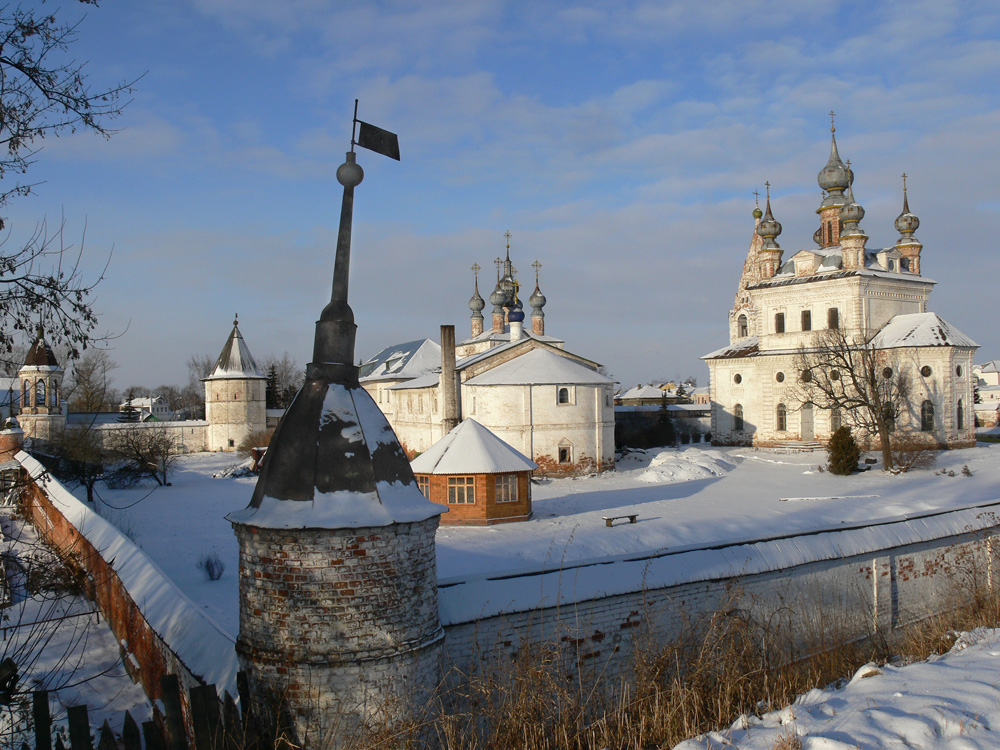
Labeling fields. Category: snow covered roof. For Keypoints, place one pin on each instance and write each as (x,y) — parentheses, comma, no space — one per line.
(830,270)
(400,361)
(991,366)
(742,348)
(643,391)
(920,329)
(334,462)
(490,335)
(470,448)
(235,361)
(41,355)
(430,380)
(537,367)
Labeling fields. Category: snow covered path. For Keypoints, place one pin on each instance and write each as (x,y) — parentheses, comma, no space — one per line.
(950,702)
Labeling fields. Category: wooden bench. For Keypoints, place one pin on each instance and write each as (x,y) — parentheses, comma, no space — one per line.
(610,520)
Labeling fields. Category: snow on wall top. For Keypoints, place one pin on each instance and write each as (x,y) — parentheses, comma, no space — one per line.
(430,380)
(470,448)
(538,367)
(920,329)
(200,644)
(409,360)
(468,598)
(742,348)
(235,361)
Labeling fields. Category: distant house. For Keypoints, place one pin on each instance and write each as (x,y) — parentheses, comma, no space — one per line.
(478,476)
(149,407)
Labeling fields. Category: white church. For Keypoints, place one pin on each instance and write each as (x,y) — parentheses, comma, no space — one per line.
(784,306)
(520,383)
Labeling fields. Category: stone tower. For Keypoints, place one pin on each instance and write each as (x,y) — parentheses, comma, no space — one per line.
(338,575)
(235,401)
(41,377)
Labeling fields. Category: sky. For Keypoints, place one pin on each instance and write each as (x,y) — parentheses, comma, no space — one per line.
(620,143)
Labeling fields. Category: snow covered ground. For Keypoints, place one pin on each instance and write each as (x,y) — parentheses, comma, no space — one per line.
(699,494)
(949,702)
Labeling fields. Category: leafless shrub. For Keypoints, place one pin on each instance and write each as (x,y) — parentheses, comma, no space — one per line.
(909,453)
(211,565)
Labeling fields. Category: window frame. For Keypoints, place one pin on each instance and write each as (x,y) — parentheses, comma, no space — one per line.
(507,488)
(833,318)
(927,416)
(462,489)
(806,320)
(779,322)
(781,418)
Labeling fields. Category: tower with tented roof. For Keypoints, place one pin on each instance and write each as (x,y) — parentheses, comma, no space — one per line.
(41,378)
(235,395)
(338,576)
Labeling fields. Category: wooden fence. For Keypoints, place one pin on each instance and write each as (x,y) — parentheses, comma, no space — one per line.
(214,724)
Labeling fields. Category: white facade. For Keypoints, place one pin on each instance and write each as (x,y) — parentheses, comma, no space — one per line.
(784,309)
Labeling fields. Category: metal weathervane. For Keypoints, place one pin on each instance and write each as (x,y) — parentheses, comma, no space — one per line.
(374,138)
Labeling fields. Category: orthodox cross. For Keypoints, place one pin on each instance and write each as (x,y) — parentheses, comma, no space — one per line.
(904,183)
(537,266)
(833,129)
(475,269)
(498,262)
(756,197)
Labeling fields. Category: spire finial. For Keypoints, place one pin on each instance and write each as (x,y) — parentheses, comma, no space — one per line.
(833,128)
(476,268)
(498,261)
(537,266)
(507,235)
(756,197)
(236,319)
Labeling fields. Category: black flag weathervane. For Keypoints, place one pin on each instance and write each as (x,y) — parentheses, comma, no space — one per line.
(374,138)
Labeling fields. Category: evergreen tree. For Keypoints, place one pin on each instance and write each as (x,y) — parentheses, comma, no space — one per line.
(664,424)
(129,413)
(844,452)
(272,396)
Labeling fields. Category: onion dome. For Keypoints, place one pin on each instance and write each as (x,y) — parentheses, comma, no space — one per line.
(497,299)
(818,237)
(516,315)
(476,303)
(906,223)
(768,228)
(537,300)
(851,213)
(757,213)
(835,176)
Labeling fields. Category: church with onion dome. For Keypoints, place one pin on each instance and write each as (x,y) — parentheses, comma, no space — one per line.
(789,308)
(520,383)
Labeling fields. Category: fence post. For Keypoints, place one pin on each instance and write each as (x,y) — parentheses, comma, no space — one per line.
(205,717)
(43,720)
(107,741)
(130,733)
(153,735)
(170,688)
(79,728)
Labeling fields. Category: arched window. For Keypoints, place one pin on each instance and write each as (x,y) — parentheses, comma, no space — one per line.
(26,393)
(782,418)
(738,418)
(40,393)
(741,326)
(564,395)
(834,419)
(961,416)
(927,416)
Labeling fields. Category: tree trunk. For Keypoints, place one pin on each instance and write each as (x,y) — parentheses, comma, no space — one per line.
(883,437)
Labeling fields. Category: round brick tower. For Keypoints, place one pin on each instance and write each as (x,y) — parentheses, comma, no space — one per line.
(338,579)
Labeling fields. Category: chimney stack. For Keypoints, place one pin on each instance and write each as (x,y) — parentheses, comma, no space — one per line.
(449,382)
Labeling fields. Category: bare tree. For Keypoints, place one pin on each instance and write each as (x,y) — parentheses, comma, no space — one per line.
(89,389)
(866,385)
(44,92)
(82,458)
(146,450)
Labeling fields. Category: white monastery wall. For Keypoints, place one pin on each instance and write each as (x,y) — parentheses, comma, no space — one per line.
(188,437)
(234,408)
(842,585)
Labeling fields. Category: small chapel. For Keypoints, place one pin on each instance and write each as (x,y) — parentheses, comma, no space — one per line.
(784,308)
(520,383)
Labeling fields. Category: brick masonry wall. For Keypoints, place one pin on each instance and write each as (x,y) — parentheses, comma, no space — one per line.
(342,622)
(153,658)
(815,604)
(485,509)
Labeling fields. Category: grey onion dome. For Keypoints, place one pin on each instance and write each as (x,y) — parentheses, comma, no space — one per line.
(497,298)
(537,300)
(851,213)
(477,303)
(768,229)
(835,176)
(907,223)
